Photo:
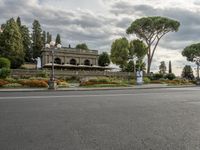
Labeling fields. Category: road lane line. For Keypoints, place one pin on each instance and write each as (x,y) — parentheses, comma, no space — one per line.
(73,96)
(79,96)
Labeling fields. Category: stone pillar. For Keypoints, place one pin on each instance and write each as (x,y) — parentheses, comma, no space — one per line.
(96,61)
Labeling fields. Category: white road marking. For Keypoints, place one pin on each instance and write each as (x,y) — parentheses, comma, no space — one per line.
(97,95)
(74,96)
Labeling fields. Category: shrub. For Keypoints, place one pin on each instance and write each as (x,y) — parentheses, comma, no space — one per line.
(178,81)
(162,79)
(4,62)
(42,74)
(11,80)
(157,81)
(87,83)
(33,83)
(73,78)
(93,80)
(3,82)
(157,76)
(63,85)
(170,76)
(181,81)
(103,79)
(146,80)
(12,85)
(38,78)
(60,82)
(4,72)
(22,67)
(100,80)
(132,81)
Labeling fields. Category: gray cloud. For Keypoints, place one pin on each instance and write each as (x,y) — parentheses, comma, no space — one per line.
(100,30)
(74,26)
(190,22)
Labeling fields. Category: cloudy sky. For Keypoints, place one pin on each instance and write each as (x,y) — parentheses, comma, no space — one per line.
(99,22)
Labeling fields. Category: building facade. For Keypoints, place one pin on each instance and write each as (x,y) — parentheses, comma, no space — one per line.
(70,58)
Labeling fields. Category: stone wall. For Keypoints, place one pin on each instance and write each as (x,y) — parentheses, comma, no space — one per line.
(69,73)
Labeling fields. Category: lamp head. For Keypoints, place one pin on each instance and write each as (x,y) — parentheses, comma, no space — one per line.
(59,45)
(47,45)
(52,43)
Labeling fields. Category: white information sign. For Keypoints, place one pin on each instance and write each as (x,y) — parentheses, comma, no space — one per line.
(139,77)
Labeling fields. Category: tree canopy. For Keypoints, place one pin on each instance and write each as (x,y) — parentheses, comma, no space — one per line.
(104,59)
(151,30)
(82,46)
(187,72)
(11,44)
(192,53)
(162,67)
(123,51)
(130,67)
(120,52)
(137,48)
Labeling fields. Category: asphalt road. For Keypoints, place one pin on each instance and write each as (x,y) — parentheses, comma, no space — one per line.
(151,119)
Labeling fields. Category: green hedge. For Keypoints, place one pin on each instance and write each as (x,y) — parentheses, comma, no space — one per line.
(4,72)
(4,62)
(170,76)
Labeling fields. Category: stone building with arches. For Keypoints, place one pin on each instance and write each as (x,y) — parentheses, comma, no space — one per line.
(71,58)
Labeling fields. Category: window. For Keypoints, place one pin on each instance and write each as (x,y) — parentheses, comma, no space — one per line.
(73,62)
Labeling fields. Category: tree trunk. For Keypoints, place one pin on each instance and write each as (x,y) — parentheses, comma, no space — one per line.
(148,64)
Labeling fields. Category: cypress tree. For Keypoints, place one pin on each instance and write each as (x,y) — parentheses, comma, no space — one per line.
(170,67)
(18,21)
(49,37)
(25,39)
(26,43)
(162,67)
(58,40)
(37,39)
(44,38)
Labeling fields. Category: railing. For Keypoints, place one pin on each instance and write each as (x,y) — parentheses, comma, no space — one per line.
(80,51)
(68,73)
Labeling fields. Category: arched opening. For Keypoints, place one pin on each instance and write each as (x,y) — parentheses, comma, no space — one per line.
(87,62)
(72,62)
(57,61)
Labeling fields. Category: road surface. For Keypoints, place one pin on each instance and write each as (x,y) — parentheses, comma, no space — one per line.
(143,119)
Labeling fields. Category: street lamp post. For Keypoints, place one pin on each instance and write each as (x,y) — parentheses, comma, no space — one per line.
(52,69)
(52,46)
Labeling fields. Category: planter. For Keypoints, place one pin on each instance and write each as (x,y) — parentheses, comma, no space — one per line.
(198,82)
(52,85)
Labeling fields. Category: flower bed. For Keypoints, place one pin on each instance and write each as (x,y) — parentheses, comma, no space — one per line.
(34,83)
(173,82)
(12,85)
(93,83)
(3,82)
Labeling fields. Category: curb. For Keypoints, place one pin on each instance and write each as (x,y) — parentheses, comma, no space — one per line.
(93,89)
(125,88)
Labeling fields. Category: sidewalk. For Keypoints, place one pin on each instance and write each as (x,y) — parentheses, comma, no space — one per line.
(145,86)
